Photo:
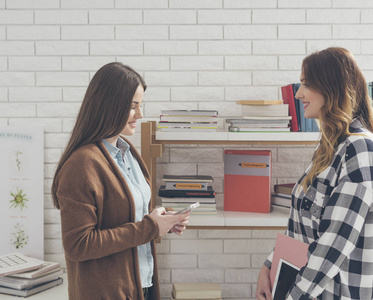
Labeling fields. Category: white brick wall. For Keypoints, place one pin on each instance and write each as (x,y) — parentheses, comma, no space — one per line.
(193,55)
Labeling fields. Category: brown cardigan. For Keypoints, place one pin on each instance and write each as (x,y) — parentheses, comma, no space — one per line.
(99,233)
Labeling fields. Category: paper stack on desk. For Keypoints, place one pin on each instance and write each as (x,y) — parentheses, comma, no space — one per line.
(25,276)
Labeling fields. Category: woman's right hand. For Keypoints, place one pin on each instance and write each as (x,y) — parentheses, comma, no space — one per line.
(166,221)
(263,286)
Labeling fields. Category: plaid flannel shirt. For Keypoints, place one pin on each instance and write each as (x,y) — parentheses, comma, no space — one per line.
(335,217)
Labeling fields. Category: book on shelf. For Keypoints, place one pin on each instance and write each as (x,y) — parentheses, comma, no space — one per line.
(284,188)
(191,129)
(280,208)
(274,110)
(275,121)
(188,178)
(187,125)
(170,185)
(180,205)
(288,97)
(290,250)
(31,291)
(260,102)
(196,290)
(202,209)
(266,118)
(188,200)
(189,112)
(370,89)
(247,180)
(299,108)
(304,124)
(284,201)
(185,119)
(198,212)
(26,283)
(163,192)
(257,129)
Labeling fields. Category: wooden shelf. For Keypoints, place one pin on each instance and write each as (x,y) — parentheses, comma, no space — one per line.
(239,220)
(152,146)
(227,137)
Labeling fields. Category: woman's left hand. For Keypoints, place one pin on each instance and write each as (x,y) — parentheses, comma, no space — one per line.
(180,227)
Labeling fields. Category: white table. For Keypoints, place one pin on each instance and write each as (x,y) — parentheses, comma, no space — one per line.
(55,293)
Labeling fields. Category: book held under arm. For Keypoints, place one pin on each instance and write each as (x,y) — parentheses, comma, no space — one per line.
(290,250)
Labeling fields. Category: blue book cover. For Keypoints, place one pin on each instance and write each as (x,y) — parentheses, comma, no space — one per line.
(370,89)
(315,127)
(300,109)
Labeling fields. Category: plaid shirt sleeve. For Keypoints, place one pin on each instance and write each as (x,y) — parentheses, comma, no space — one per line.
(339,231)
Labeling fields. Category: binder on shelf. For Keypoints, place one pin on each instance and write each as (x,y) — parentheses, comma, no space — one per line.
(247,180)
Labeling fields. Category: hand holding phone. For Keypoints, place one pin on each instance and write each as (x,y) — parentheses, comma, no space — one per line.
(188,208)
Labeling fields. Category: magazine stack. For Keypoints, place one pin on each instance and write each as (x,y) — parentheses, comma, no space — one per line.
(188,120)
(181,191)
(24,276)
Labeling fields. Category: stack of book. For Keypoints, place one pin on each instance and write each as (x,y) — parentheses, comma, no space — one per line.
(181,191)
(261,116)
(25,280)
(188,120)
(188,291)
(296,111)
(281,198)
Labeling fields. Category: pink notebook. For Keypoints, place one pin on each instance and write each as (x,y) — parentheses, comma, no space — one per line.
(289,249)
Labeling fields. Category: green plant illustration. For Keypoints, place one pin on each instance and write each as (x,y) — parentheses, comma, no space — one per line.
(18,161)
(20,238)
(19,199)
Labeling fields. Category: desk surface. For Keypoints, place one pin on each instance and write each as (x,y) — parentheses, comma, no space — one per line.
(55,293)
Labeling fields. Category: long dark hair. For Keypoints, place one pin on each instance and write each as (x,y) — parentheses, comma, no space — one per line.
(334,74)
(104,111)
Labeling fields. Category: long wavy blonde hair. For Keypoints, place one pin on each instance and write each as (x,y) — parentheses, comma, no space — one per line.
(334,74)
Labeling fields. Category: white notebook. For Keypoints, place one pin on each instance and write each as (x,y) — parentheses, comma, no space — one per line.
(17,262)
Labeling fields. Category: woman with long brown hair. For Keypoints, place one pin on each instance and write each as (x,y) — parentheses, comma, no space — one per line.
(102,188)
(332,202)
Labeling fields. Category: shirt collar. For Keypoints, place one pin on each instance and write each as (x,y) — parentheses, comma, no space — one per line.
(355,124)
(123,146)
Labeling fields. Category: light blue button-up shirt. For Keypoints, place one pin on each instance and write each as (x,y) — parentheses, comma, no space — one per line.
(141,193)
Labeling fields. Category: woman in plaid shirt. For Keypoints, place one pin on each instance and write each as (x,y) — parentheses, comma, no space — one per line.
(332,207)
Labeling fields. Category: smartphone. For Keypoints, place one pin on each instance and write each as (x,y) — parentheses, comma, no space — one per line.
(186,209)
